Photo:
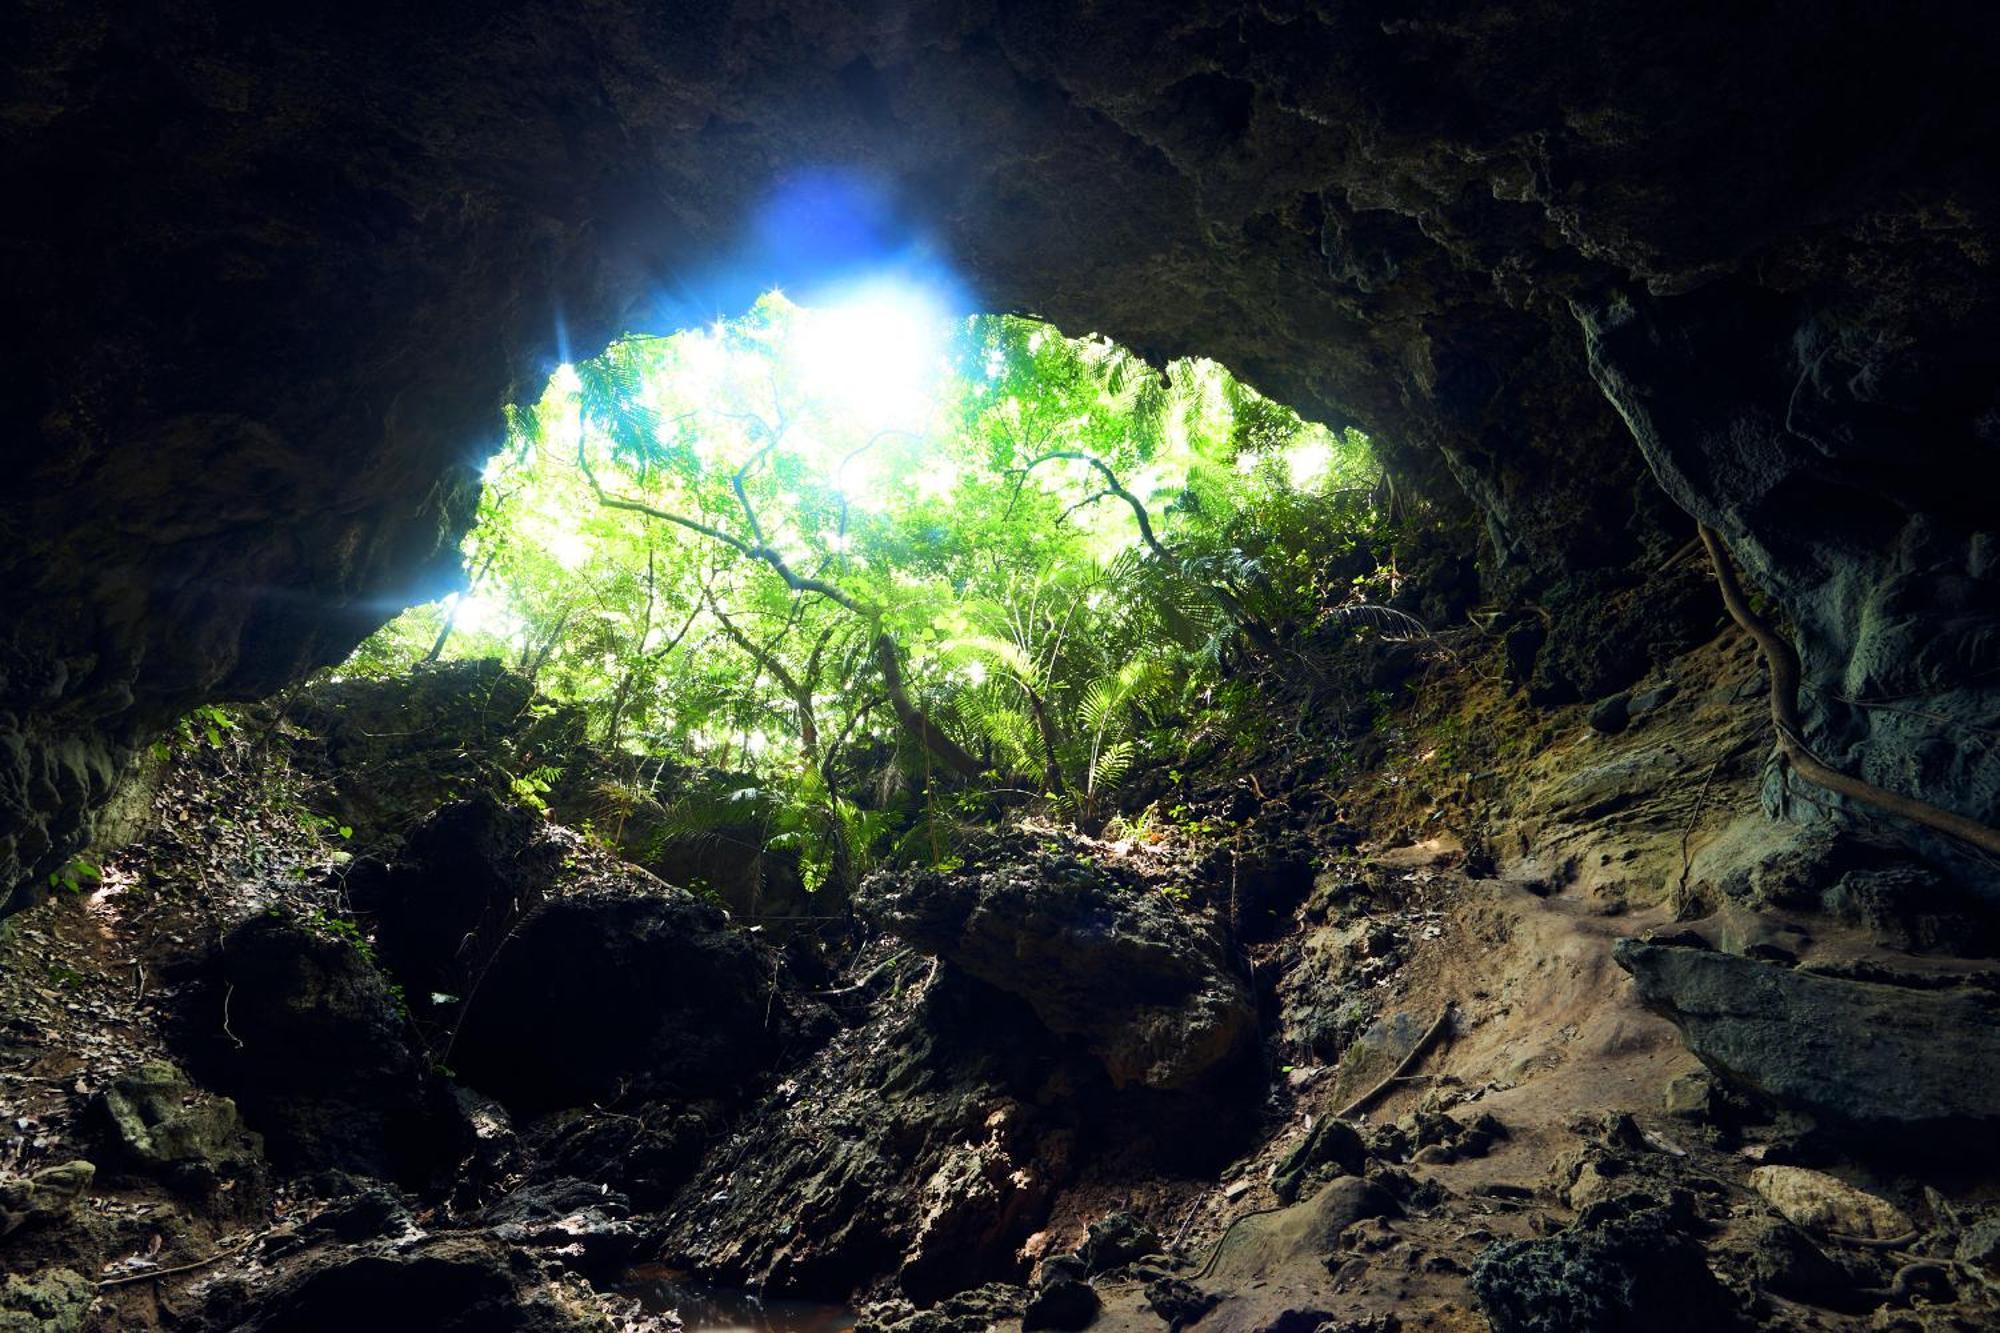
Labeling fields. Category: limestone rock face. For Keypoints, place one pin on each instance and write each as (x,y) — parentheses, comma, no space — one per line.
(1145,985)
(916,1134)
(1853,1052)
(284,267)
(48,1195)
(55,1300)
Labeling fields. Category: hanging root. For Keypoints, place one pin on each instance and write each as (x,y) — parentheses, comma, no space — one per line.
(1783,662)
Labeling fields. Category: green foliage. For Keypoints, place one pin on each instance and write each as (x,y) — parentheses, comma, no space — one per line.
(76,875)
(208,723)
(714,547)
(207,726)
(533,787)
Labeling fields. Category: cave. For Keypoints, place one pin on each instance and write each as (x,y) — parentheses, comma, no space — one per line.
(1617,954)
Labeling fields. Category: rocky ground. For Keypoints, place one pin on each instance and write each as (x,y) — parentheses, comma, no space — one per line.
(1465,1012)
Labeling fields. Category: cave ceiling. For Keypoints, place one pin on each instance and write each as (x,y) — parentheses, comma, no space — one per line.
(1582,270)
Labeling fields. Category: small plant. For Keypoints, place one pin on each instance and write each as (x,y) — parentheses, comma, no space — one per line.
(533,787)
(80,873)
(321,826)
(338,928)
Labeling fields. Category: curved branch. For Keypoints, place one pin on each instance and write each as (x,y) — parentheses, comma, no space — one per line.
(888,659)
(1111,486)
(743,496)
(1084,503)
(1783,661)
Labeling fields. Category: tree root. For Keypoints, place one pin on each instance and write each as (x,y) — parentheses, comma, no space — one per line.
(1401,1071)
(1783,661)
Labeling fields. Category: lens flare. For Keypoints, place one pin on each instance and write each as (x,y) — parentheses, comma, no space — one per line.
(878,351)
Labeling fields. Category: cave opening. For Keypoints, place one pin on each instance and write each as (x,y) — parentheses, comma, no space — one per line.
(829,555)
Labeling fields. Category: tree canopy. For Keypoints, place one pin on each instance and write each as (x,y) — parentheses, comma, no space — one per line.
(864,560)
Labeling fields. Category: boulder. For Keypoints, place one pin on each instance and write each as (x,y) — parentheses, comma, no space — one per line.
(162,1125)
(1302,1235)
(976,1311)
(55,1300)
(585,1225)
(1632,1270)
(1179,1301)
(646,1154)
(48,1195)
(621,985)
(314,1044)
(1063,1304)
(1117,1239)
(1827,1205)
(440,909)
(1979,1243)
(452,1285)
(1145,985)
(1611,715)
(1784,1261)
(915,1134)
(1851,1052)
(1333,1148)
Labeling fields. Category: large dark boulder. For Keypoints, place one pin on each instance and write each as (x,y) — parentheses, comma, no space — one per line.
(621,986)
(161,1125)
(452,1285)
(441,907)
(1852,1052)
(1146,985)
(300,1027)
(929,1141)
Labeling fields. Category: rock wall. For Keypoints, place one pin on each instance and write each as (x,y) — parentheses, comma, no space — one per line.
(274,271)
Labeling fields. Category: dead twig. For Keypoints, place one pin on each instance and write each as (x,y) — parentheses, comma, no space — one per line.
(152,1274)
(1188,1221)
(873,973)
(228,995)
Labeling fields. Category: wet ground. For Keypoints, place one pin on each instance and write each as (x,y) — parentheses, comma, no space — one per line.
(706,1309)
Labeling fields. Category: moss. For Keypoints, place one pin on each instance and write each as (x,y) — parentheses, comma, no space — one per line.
(53,1301)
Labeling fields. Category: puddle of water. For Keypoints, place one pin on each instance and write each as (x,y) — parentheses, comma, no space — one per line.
(705,1309)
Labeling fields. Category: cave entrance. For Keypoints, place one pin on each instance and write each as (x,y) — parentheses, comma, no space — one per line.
(878,564)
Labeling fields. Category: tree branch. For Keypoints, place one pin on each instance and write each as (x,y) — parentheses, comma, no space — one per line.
(1230,603)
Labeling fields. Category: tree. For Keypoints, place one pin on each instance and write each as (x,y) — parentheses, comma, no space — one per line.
(1027,576)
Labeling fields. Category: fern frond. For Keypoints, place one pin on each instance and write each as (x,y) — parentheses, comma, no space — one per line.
(1110,765)
(1395,626)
